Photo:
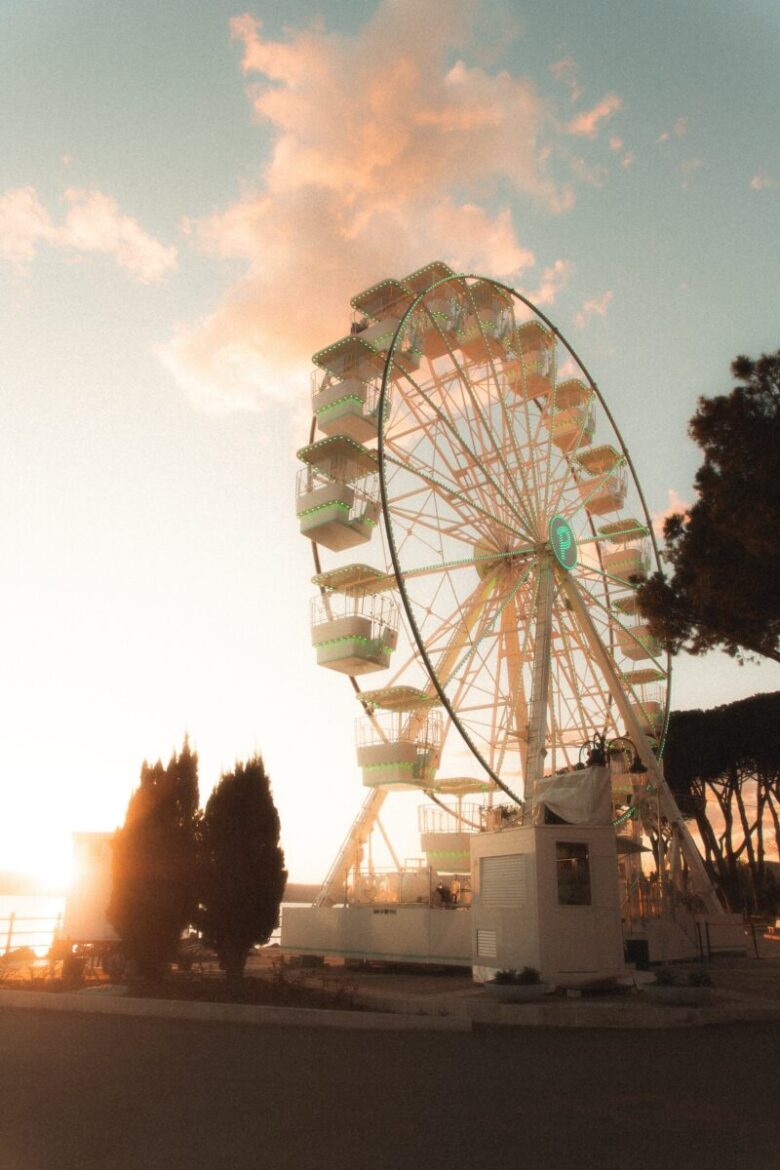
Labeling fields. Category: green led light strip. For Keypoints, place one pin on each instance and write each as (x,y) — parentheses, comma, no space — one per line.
(320,507)
(378,647)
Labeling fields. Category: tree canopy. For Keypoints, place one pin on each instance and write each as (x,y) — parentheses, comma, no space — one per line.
(723,766)
(724,552)
(242,874)
(154,893)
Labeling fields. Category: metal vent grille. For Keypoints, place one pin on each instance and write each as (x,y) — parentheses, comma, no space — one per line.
(487,944)
(503,882)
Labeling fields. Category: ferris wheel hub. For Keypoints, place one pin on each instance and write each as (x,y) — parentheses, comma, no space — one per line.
(492,558)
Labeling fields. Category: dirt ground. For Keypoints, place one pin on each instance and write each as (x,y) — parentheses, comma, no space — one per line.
(286,981)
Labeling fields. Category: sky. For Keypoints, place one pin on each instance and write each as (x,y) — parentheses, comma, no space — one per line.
(189,195)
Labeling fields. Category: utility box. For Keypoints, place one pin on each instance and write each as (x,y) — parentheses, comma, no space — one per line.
(546,896)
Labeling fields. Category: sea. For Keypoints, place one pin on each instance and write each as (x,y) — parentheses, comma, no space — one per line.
(30,920)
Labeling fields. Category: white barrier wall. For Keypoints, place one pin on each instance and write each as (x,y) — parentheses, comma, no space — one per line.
(396,933)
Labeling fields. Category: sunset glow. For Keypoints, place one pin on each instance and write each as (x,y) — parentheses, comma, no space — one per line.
(189,197)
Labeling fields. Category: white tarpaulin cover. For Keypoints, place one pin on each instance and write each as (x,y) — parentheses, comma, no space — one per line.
(583,797)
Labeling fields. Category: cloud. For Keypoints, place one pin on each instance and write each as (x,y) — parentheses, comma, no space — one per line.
(679,130)
(92,223)
(616,143)
(628,159)
(675,504)
(554,278)
(689,167)
(761,182)
(586,124)
(565,70)
(595,307)
(24,221)
(389,147)
(595,175)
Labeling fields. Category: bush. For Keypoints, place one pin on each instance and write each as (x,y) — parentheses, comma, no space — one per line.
(529,976)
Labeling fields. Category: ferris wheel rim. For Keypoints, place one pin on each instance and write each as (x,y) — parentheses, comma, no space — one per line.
(392,548)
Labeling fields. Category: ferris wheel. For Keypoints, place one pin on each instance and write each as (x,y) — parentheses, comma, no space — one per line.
(457,435)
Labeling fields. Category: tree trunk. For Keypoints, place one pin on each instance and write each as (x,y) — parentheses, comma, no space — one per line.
(775,820)
(747,843)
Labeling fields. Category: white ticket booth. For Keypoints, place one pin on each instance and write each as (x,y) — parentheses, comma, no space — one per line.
(546,896)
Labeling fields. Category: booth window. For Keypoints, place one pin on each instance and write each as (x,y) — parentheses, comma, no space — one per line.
(573,866)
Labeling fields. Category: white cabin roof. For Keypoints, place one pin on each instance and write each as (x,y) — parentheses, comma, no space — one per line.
(398,699)
(355,579)
(388,294)
(351,355)
(340,447)
(599,459)
(423,278)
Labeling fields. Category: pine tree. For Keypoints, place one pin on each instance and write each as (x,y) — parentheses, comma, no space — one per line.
(724,589)
(242,874)
(154,868)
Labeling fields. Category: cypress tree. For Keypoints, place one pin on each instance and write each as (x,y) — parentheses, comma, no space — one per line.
(242,874)
(154,893)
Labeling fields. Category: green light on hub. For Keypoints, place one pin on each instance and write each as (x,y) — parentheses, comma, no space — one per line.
(563,544)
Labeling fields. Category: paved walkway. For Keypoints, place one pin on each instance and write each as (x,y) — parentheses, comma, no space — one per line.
(92,1093)
(745,991)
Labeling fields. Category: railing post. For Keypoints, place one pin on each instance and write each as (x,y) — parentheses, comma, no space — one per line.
(9,935)
(755,939)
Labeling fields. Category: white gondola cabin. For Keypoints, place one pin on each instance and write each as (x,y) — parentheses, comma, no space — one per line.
(442,311)
(570,417)
(649,708)
(354,635)
(604,484)
(636,642)
(398,750)
(530,373)
(345,396)
(348,407)
(381,309)
(337,493)
(626,556)
(487,324)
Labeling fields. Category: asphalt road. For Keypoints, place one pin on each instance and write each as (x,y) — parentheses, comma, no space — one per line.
(116,1093)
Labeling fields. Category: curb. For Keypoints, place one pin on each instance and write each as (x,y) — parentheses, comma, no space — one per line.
(405,1013)
(229,1013)
(576,1013)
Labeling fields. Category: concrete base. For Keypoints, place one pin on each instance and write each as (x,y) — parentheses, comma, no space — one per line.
(393,933)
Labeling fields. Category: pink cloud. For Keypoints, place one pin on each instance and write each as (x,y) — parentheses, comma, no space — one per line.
(373,132)
(679,130)
(554,278)
(617,145)
(24,222)
(360,114)
(92,223)
(565,71)
(761,182)
(595,307)
(595,175)
(674,505)
(689,168)
(586,124)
